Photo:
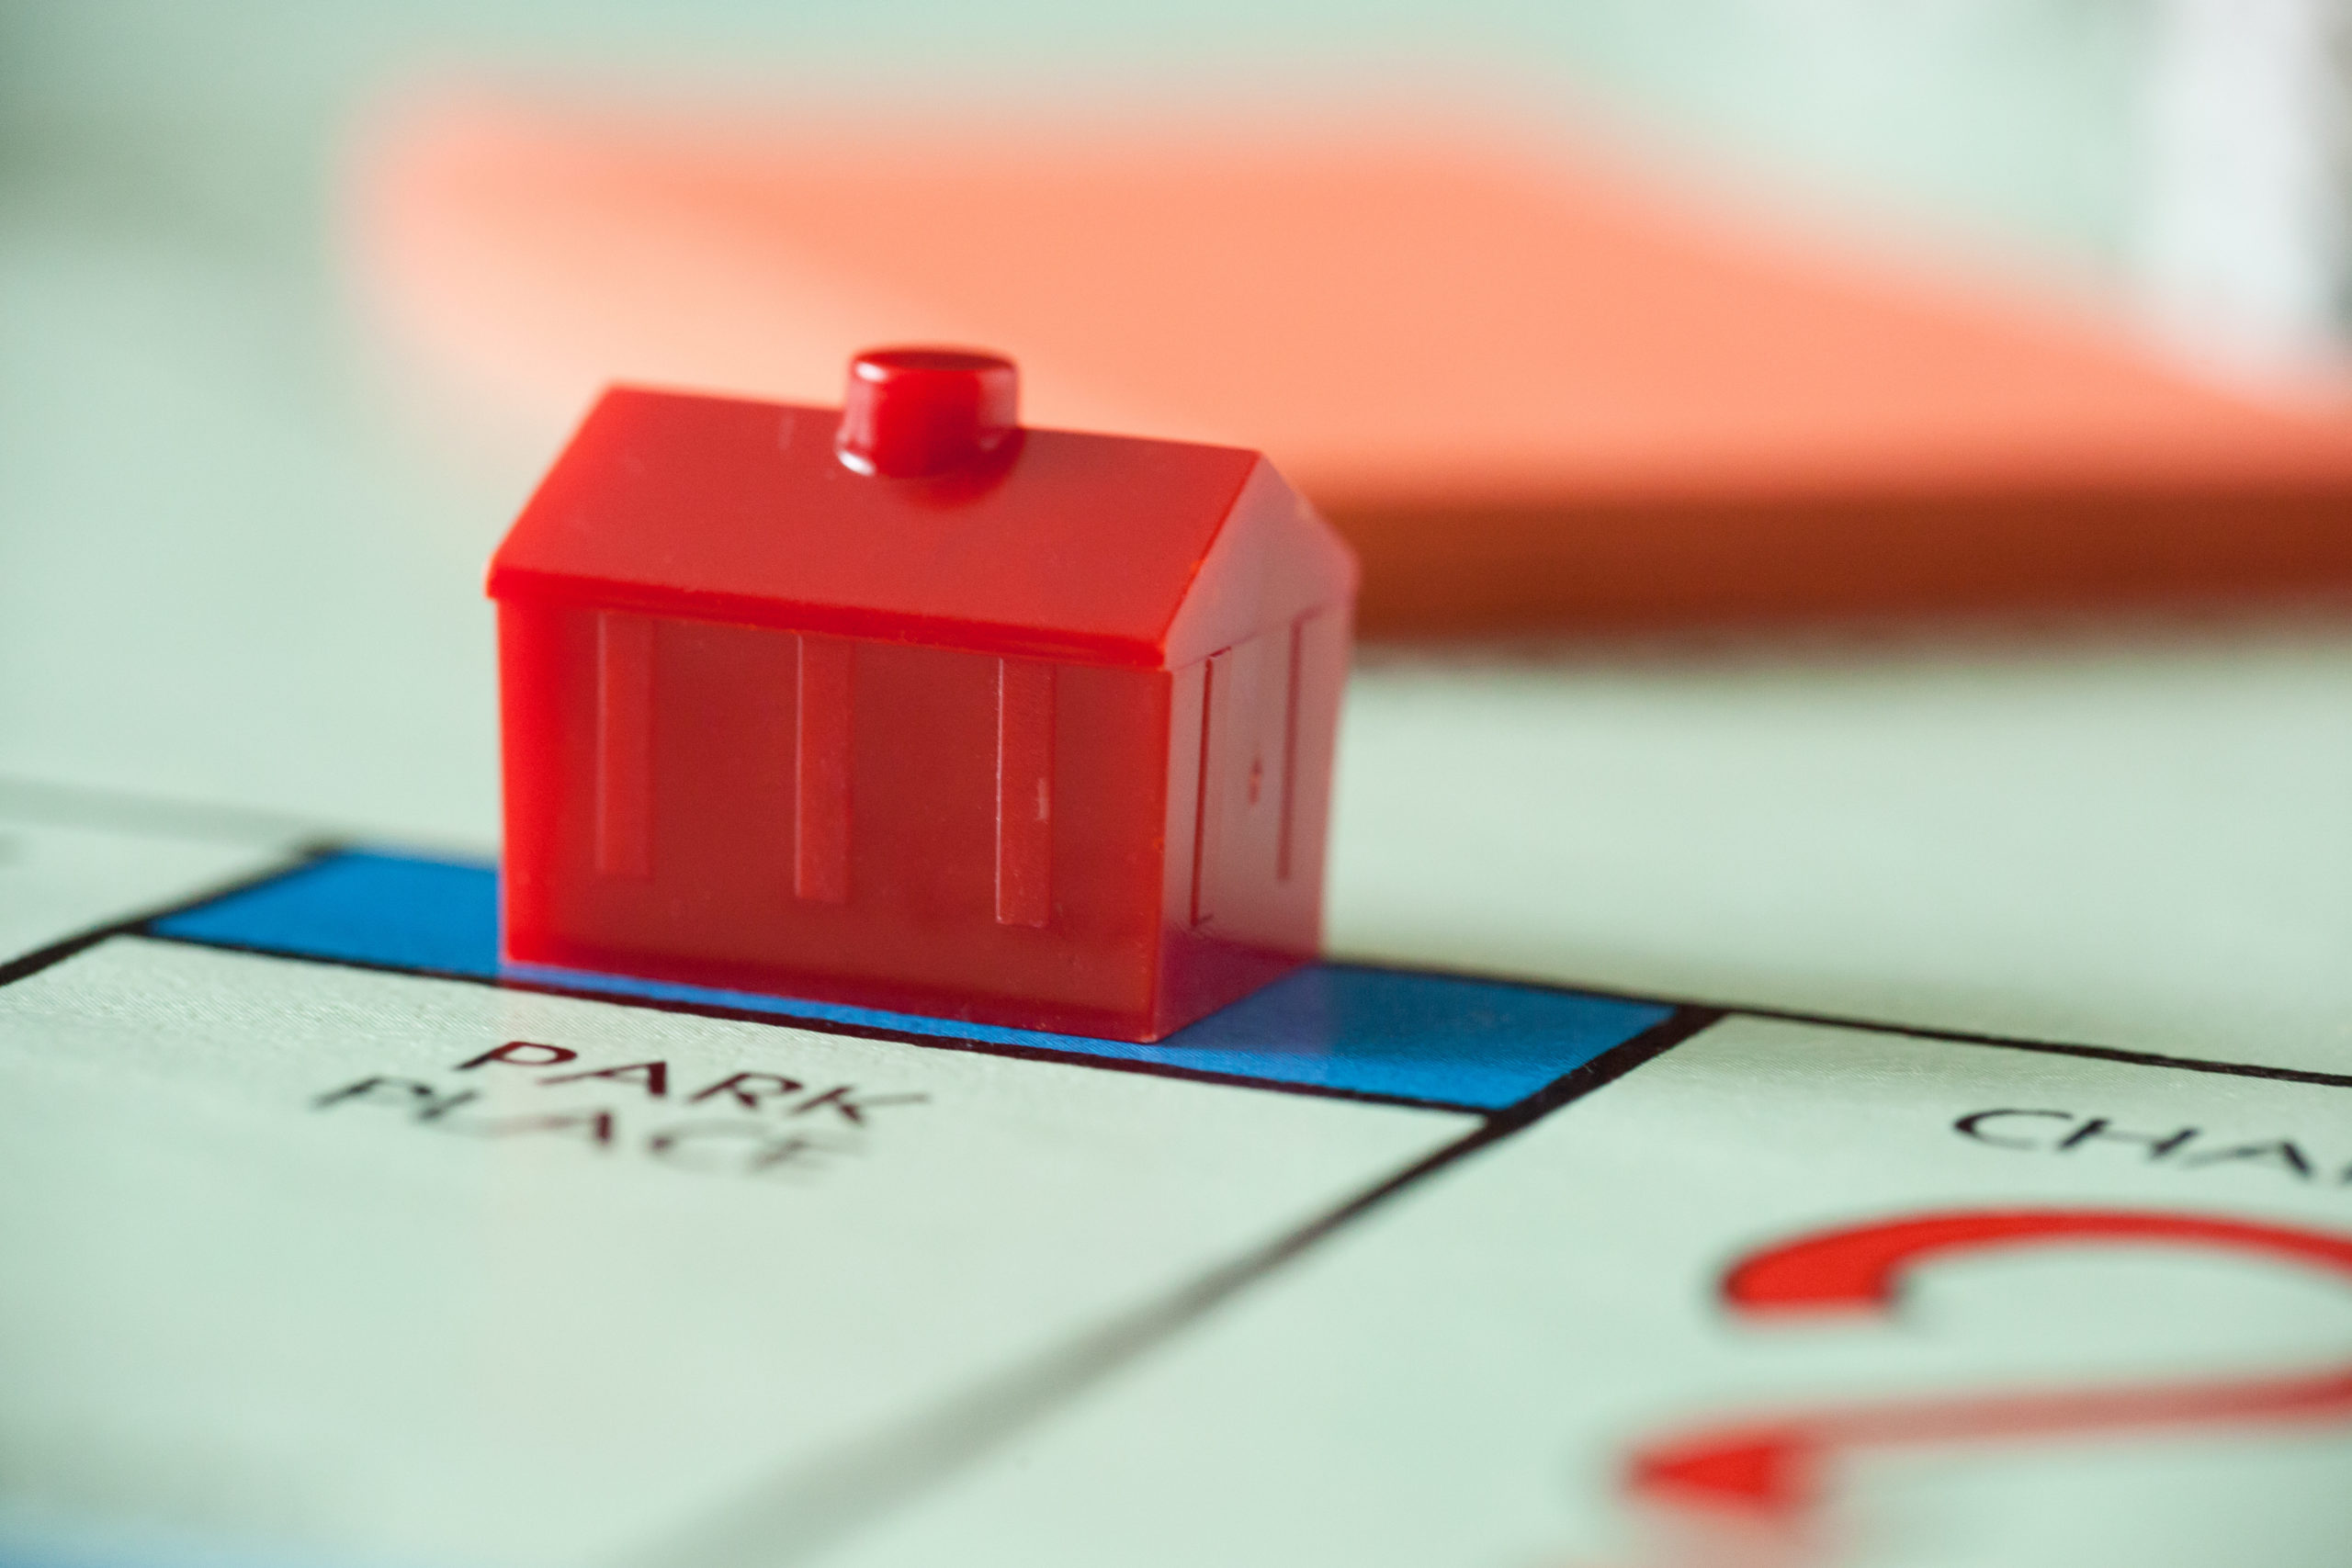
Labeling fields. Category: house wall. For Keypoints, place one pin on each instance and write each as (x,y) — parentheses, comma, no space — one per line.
(821,816)
(1249,800)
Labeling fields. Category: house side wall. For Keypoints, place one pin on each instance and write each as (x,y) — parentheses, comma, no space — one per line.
(1272,718)
(1249,786)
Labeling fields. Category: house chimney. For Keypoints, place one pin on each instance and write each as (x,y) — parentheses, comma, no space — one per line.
(911,411)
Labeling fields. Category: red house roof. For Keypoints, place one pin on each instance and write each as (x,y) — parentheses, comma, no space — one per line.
(1104,548)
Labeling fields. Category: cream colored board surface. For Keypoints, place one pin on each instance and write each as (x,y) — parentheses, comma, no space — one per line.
(2135,842)
(400,1324)
(1461,1377)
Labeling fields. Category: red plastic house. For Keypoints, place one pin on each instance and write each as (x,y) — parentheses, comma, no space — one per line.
(904,705)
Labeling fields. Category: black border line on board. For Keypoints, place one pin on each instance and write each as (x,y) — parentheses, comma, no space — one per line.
(313,851)
(825,1025)
(2089,1053)
(1875,1026)
(291,858)
(1715,1009)
(808,1508)
(305,845)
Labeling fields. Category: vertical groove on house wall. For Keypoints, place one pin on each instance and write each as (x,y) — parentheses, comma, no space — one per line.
(1024,792)
(1216,674)
(820,772)
(1288,804)
(623,745)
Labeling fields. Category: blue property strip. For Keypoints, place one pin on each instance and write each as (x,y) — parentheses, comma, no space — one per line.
(1477,1044)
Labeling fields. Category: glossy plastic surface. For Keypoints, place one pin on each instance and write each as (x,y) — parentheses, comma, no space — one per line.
(1042,739)
(1067,546)
(912,412)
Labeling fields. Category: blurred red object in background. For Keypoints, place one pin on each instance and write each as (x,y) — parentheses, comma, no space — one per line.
(1534,393)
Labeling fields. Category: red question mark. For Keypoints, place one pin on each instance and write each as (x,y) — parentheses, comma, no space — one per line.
(1771,1471)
